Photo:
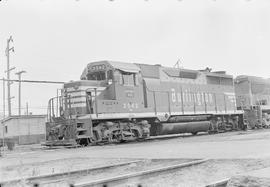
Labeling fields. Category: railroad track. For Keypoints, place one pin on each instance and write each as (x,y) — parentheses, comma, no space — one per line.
(80,178)
(64,175)
(220,183)
(115,179)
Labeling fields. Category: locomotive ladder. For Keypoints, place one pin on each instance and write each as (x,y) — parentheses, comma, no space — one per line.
(90,117)
(85,131)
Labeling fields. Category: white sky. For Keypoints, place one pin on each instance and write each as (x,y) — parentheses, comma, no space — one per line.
(55,39)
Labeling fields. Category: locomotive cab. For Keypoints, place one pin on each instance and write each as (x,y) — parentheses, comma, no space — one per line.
(105,87)
(106,90)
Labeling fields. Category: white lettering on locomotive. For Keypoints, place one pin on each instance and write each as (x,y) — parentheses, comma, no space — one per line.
(179,97)
(130,106)
(173,95)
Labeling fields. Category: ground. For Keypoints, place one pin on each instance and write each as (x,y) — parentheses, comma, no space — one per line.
(231,152)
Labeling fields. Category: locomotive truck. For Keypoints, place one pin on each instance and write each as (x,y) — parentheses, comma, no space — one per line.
(117,102)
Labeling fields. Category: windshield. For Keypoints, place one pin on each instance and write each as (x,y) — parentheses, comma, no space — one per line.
(100,75)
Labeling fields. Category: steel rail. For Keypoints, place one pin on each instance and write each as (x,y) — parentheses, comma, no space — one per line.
(137,174)
(171,136)
(220,183)
(68,173)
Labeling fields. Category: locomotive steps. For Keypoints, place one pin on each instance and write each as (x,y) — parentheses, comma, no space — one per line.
(151,138)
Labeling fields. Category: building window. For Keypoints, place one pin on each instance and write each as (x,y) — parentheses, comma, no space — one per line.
(6,129)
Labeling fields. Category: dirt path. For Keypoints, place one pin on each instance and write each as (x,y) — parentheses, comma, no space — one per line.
(233,145)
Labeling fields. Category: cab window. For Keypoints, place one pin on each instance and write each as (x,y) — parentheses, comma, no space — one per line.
(128,79)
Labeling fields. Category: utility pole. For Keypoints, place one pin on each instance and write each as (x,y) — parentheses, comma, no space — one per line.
(57,102)
(250,92)
(27,108)
(8,49)
(4,99)
(19,100)
(4,116)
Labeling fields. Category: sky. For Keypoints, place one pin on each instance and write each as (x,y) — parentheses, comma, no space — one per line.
(55,39)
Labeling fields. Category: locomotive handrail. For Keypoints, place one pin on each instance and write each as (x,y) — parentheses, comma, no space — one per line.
(49,110)
(156,90)
(66,102)
(55,112)
(95,101)
(155,107)
(90,118)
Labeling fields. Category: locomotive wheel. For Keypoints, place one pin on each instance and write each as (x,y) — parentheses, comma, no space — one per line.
(229,127)
(221,127)
(83,141)
(120,139)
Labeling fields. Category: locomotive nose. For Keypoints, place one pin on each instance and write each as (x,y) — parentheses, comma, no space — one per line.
(82,93)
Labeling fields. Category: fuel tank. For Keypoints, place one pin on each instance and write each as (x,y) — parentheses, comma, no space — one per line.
(184,127)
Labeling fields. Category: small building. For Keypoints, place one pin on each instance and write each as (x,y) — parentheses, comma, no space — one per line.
(25,129)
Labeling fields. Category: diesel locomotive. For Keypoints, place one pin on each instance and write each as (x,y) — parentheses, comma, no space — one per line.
(117,101)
